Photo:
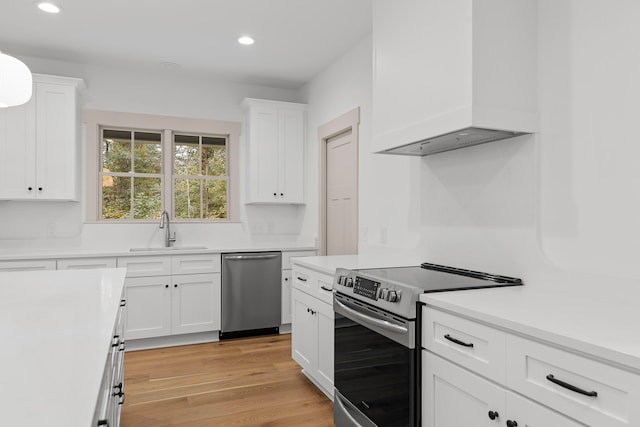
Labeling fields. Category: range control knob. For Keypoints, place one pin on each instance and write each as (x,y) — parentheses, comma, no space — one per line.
(384,293)
(393,296)
(341,280)
(349,282)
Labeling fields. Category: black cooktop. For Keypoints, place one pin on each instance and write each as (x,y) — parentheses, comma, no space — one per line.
(438,278)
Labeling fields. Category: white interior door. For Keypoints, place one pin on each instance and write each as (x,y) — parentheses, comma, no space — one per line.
(342,195)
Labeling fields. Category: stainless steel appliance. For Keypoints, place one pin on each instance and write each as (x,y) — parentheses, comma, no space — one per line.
(377,339)
(251,292)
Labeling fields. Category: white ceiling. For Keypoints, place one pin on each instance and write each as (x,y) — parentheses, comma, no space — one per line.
(295,39)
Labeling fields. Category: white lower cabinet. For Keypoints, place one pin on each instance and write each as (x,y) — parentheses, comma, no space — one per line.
(287,282)
(312,339)
(472,370)
(111,396)
(453,396)
(160,305)
(287,303)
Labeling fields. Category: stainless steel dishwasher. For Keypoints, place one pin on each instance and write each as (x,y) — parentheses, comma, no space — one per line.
(251,293)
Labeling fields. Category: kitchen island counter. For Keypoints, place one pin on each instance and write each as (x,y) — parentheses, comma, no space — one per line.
(56,328)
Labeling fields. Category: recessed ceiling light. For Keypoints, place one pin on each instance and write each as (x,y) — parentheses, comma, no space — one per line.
(246,40)
(48,7)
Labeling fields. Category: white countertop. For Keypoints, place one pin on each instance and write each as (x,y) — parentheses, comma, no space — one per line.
(328,264)
(25,253)
(602,321)
(56,329)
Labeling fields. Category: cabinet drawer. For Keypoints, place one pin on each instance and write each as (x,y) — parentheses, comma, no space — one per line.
(304,280)
(475,346)
(286,257)
(28,265)
(195,264)
(314,283)
(86,263)
(530,365)
(146,265)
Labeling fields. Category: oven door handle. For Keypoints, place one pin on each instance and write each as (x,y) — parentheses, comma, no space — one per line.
(343,408)
(372,320)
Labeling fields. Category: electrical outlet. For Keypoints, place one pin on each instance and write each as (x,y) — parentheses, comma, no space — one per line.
(51,230)
(364,234)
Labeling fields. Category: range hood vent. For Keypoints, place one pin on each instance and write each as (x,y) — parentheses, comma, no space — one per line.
(452,141)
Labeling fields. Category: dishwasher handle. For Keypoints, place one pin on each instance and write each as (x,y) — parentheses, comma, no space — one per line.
(249,257)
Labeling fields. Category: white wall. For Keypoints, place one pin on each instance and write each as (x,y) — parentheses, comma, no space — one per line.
(164,93)
(385,205)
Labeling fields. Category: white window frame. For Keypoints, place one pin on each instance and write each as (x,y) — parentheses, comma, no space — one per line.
(96,120)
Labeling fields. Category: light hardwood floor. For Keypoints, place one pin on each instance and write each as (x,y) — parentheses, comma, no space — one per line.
(241,382)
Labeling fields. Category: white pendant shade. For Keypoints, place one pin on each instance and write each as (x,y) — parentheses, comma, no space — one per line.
(15,81)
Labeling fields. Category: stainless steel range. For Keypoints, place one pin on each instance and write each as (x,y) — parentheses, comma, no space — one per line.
(376,329)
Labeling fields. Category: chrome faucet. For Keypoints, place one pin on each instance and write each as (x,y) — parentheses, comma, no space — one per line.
(168,238)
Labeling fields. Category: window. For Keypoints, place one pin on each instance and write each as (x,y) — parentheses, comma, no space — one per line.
(200,176)
(144,165)
(131,174)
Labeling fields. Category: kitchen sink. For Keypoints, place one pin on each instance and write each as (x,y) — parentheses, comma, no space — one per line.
(170,248)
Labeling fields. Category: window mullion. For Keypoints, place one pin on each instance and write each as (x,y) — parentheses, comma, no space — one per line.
(167,172)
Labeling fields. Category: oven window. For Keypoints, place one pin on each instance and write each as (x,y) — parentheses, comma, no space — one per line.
(376,374)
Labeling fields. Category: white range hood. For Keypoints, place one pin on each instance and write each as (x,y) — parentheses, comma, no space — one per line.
(453,73)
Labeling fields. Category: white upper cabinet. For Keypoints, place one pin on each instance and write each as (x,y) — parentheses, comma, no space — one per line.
(275,135)
(444,66)
(39,143)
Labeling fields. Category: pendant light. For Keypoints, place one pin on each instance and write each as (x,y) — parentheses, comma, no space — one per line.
(15,81)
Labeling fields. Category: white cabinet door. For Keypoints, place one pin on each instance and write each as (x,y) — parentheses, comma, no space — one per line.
(195,303)
(304,338)
(56,142)
(286,297)
(17,151)
(291,156)
(263,154)
(452,396)
(324,316)
(148,309)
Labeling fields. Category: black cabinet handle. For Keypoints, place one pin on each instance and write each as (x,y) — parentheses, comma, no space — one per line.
(282,194)
(302,279)
(121,402)
(456,341)
(512,423)
(286,279)
(175,286)
(571,387)
(275,194)
(31,188)
(166,286)
(119,393)
(123,302)
(103,423)
(326,289)
(493,415)
(39,188)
